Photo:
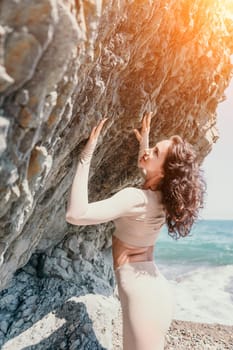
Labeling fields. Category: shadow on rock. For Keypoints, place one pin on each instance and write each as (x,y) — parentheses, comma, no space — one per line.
(76,332)
(51,313)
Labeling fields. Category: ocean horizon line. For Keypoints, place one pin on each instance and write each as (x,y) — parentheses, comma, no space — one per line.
(214,219)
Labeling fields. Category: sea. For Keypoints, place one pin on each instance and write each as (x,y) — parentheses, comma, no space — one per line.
(200,270)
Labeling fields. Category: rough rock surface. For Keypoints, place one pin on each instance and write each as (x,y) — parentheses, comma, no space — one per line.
(63,66)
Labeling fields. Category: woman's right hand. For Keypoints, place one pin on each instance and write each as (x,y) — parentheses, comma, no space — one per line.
(96,131)
(92,141)
(145,127)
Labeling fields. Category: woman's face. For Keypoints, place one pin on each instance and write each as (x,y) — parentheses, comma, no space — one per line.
(153,158)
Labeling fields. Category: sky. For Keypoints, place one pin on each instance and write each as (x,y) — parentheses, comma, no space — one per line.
(218,165)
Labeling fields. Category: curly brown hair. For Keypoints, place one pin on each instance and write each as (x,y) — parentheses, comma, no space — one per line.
(183,187)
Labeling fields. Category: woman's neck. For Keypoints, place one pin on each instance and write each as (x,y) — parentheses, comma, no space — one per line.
(152,180)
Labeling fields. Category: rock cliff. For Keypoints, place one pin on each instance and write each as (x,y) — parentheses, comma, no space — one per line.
(64,64)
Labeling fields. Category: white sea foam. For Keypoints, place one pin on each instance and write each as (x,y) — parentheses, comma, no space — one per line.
(203,294)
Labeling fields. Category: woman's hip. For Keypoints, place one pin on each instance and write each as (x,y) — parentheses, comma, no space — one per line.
(145,293)
(136,272)
(143,276)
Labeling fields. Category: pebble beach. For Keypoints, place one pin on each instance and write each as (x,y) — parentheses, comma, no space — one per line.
(185,335)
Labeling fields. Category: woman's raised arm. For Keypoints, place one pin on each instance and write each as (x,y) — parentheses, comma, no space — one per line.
(78,199)
(143,137)
(128,201)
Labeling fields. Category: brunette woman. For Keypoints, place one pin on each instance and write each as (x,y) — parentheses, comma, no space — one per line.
(172,193)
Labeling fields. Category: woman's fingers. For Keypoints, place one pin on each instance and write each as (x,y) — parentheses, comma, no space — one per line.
(147,117)
(146,121)
(97,129)
(92,134)
(100,126)
(138,135)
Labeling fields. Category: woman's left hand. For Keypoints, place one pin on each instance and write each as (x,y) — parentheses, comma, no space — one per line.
(145,127)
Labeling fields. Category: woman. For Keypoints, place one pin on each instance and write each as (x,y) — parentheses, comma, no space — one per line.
(172,193)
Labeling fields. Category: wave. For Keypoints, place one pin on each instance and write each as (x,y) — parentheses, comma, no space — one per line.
(202,294)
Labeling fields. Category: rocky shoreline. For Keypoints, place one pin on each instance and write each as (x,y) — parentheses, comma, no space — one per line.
(185,335)
(56,314)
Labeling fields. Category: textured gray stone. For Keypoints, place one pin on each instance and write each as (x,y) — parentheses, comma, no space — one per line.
(4,326)
(63,66)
